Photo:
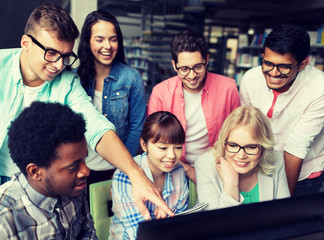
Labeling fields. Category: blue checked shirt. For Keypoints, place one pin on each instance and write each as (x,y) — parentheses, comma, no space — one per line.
(127,216)
(27,214)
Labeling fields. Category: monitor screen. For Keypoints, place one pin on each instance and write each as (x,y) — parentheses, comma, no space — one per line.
(292,218)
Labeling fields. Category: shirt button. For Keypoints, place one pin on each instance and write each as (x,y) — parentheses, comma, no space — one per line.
(105,97)
(107,80)
(105,114)
(50,208)
(117,93)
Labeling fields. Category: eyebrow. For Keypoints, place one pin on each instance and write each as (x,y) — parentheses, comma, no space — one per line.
(76,162)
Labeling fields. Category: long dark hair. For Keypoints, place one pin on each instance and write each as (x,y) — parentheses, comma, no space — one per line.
(86,69)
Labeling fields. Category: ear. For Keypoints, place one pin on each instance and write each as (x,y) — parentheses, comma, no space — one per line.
(25,42)
(34,172)
(143,145)
(262,55)
(174,65)
(303,64)
(207,59)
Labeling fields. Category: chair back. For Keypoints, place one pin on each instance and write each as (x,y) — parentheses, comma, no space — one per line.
(100,195)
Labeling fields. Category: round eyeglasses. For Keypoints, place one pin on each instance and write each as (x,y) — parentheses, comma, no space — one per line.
(52,55)
(198,68)
(282,68)
(250,149)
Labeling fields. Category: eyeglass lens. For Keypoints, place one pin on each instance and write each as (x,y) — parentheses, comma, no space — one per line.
(282,68)
(251,149)
(198,68)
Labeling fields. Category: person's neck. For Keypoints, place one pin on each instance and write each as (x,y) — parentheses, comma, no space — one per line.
(29,79)
(248,181)
(158,176)
(284,88)
(102,71)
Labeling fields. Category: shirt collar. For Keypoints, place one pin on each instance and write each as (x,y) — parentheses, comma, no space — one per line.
(168,185)
(16,67)
(38,199)
(114,72)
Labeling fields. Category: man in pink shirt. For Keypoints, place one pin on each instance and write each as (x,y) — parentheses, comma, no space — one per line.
(201,100)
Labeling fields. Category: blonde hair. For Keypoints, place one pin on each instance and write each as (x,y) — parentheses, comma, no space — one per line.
(251,117)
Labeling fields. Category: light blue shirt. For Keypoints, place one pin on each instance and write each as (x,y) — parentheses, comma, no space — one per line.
(65,89)
(126,217)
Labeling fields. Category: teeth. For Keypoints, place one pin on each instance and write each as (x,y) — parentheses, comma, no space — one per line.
(106,54)
(50,70)
(168,163)
(241,163)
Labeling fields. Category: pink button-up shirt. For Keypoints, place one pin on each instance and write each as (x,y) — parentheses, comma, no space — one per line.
(219,97)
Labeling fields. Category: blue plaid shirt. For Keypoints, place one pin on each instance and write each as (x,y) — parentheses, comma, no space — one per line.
(127,216)
(27,214)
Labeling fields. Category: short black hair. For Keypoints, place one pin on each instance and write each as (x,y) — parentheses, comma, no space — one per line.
(291,39)
(189,41)
(39,130)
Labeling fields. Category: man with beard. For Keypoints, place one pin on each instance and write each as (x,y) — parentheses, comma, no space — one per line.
(291,94)
(200,100)
(46,199)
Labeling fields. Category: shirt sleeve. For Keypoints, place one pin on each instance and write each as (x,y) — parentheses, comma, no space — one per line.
(137,114)
(244,96)
(305,129)
(282,184)
(235,99)
(97,125)
(6,229)
(155,102)
(127,215)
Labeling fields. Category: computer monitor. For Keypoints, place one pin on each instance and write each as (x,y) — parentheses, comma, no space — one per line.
(299,218)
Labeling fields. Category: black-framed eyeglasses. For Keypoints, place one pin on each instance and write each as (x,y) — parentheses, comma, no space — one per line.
(282,68)
(198,68)
(250,149)
(52,55)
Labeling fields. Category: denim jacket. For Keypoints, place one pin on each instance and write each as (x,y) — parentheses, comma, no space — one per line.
(124,103)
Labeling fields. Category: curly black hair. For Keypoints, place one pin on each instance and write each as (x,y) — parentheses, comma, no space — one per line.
(39,130)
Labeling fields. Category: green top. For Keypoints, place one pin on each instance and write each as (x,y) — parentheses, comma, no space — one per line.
(252,196)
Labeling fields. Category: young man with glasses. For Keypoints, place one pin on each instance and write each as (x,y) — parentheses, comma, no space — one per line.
(36,72)
(291,94)
(201,100)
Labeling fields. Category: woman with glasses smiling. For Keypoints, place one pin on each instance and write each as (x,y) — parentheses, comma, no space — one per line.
(241,167)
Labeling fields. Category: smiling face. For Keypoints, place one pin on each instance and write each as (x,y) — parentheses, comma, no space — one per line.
(35,69)
(276,80)
(242,162)
(104,43)
(192,82)
(67,175)
(162,157)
